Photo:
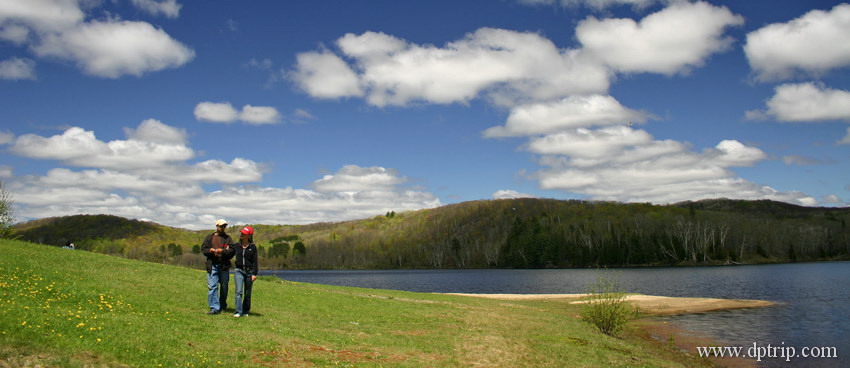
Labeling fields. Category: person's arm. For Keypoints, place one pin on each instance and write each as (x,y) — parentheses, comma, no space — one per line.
(255,268)
(206,247)
(229,251)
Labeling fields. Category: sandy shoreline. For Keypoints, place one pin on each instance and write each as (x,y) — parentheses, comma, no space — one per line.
(659,305)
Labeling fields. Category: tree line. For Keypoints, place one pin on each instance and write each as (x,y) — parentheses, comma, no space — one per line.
(517,233)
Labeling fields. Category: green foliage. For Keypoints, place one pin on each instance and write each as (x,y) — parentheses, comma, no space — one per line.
(196,249)
(516,233)
(607,307)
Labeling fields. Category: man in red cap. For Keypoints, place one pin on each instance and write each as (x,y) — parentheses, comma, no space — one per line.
(246,270)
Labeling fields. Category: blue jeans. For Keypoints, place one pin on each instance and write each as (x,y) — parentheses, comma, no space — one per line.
(216,300)
(243,291)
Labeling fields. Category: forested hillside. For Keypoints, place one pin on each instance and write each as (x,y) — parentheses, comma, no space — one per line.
(526,233)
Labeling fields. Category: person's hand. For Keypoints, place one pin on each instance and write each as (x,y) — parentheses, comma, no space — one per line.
(253,278)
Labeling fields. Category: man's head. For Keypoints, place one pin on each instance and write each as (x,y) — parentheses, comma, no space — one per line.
(221,225)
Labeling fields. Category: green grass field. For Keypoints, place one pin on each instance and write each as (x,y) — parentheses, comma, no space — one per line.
(67,308)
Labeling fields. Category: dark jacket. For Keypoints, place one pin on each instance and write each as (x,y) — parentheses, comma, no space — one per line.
(224,258)
(246,258)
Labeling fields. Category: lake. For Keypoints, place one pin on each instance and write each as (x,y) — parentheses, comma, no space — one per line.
(814,297)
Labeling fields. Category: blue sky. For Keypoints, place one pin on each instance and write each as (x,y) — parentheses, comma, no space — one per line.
(302,111)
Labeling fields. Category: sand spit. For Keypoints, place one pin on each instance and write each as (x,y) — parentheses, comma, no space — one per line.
(659,305)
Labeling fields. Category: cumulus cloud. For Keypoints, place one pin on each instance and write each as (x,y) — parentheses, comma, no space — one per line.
(671,41)
(391,71)
(168,8)
(105,48)
(112,49)
(805,102)
(224,112)
(510,194)
(623,164)
(259,115)
(79,147)
(832,199)
(216,112)
(512,67)
(175,192)
(17,68)
(153,130)
(325,75)
(570,112)
(812,44)
(353,178)
(41,15)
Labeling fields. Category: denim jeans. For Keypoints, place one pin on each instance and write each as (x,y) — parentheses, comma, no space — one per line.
(243,291)
(216,277)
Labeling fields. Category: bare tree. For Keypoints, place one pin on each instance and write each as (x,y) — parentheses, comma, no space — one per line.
(6,212)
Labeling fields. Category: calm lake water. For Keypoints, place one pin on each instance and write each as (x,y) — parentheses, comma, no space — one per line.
(814,309)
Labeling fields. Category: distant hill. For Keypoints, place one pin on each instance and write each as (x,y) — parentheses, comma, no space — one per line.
(525,233)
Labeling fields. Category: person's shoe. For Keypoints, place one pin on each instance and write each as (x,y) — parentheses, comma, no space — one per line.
(213,311)
(237,315)
(244,314)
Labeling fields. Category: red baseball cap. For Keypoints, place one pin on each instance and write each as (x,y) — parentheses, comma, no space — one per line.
(247,230)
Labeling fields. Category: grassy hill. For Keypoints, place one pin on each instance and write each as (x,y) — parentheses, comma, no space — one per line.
(63,308)
(518,233)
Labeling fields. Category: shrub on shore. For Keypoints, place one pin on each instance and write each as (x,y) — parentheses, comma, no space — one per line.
(607,307)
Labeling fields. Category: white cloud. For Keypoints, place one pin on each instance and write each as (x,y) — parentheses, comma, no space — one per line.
(133,178)
(224,112)
(846,139)
(507,64)
(16,68)
(590,144)
(811,44)
(6,137)
(79,147)
(325,75)
(832,199)
(41,15)
(216,112)
(15,34)
(5,172)
(352,178)
(168,8)
(112,49)
(510,194)
(805,102)
(622,164)
(569,113)
(259,115)
(671,41)
(152,130)
(105,48)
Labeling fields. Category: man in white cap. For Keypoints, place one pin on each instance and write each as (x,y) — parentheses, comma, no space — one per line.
(217,248)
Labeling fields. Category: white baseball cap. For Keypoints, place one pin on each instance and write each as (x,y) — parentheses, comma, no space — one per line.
(220,222)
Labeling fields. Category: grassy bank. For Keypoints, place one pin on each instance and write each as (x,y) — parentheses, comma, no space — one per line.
(72,308)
